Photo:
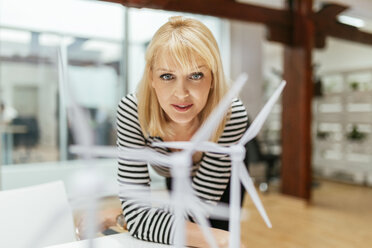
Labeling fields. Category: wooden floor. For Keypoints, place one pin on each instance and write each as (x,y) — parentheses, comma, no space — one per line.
(339,215)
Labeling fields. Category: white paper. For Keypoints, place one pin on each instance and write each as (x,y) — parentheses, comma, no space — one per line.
(24,213)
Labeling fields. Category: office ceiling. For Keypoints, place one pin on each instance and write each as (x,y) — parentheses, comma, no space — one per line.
(361,9)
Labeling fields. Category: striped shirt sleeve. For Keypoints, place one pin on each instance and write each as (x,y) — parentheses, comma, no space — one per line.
(212,176)
(209,182)
(143,221)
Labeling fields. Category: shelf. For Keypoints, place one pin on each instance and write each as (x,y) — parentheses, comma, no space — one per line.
(336,113)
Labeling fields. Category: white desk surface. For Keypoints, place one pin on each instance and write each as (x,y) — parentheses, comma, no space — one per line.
(121,240)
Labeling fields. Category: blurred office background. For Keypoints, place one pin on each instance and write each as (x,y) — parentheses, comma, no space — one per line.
(105,44)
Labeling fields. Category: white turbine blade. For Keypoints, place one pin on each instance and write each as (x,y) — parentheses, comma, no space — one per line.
(146,197)
(249,186)
(205,146)
(174,144)
(61,77)
(210,125)
(205,226)
(83,135)
(256,125)
(79,119)
(208,146)
(142,154)
(178,198)
(219,211)
(235,199)
(144,194)
(97,151)
(146,155)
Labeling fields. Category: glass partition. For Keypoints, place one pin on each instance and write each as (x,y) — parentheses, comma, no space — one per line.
(104,44)
(35,133)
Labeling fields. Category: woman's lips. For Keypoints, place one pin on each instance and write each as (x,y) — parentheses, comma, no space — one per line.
(182,107)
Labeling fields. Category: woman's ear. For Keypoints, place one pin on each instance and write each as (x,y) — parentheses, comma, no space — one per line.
(151,78)
(212,83)
(152,83)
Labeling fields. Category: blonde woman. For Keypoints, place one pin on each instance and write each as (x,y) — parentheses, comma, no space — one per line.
(183,81)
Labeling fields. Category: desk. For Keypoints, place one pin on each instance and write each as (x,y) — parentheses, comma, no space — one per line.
(121,240)
(6,141)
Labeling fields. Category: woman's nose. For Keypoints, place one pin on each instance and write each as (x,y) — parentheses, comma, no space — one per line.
(181,90)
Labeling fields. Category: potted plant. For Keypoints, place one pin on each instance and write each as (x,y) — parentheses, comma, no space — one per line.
(322,135)
(354,86)
(355,134)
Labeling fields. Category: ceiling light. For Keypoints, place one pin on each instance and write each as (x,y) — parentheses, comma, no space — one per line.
(15,36)
(47,39)
(352,21)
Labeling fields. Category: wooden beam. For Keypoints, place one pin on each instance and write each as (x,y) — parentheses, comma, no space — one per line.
(279,33)
(326,24)
(327,14)
(220,8)
(296,104)
(278,22)
(346,32)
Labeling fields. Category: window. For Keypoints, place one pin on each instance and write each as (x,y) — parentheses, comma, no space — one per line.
(94,36)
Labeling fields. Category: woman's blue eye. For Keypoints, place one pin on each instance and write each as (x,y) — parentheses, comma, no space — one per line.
(197,76)
(167,76)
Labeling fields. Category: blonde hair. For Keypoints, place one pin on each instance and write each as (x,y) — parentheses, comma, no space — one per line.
(186,40)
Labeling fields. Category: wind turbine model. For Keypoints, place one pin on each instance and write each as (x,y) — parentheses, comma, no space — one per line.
(238,170)
(183,197)
(88,183)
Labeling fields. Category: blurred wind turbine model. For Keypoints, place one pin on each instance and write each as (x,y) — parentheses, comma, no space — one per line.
(239,173)
(183,198)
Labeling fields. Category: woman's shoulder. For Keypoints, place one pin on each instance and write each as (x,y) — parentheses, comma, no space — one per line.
(128,102)
(129,99)
(236,125)
(236,102)
(238,108)
(238,115)
(127,109)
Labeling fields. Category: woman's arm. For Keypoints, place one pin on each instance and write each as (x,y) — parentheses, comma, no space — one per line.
(143,221)
(213,174)
(195,237)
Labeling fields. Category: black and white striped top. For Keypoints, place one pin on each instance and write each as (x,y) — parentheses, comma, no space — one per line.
(209,176)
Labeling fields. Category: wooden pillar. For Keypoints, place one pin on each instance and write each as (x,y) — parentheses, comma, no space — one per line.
(296,102)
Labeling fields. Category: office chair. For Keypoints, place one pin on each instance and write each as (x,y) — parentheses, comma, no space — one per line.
(255,155)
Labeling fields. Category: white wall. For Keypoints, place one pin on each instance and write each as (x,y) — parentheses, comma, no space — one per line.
(247,56)
(23,175)
(343,55)
(338,55)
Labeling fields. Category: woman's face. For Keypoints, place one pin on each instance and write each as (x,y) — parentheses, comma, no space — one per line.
(181,93)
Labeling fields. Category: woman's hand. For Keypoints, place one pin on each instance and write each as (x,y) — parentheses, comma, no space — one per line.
(222,237)
(105,219)
(195,237)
